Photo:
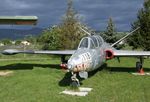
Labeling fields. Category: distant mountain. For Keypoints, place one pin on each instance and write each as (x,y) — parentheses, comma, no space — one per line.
(14,34)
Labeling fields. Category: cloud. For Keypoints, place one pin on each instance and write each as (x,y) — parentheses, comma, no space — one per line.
(123,12)
(14,4)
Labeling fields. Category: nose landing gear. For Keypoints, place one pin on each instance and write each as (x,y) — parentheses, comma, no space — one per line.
(75,81)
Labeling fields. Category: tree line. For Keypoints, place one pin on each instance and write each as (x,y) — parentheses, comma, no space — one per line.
(141,38)
(67,34)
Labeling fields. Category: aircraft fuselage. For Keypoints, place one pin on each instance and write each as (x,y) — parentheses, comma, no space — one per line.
(89,56)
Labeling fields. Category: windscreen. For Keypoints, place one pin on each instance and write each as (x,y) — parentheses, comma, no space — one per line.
(84,43)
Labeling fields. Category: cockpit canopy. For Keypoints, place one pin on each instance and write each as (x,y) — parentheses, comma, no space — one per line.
(91,42)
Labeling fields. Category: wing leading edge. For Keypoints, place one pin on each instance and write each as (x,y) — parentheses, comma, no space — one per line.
(126,53)
(15,51)
(116,53)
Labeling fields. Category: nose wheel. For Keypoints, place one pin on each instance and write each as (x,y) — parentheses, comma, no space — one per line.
(75,81)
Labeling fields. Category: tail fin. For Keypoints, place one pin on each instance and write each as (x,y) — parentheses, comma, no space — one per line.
(124,37)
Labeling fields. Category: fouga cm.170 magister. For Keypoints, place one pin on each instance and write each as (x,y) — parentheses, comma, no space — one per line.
(91,53)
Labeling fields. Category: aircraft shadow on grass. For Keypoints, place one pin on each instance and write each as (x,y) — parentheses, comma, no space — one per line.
(26,66)
(65,81)
(125,69)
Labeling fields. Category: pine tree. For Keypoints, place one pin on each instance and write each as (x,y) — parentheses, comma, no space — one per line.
(65,35)
(110,33)
(141,38)
(70,32)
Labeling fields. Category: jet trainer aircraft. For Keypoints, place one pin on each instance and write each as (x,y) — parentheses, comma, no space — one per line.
(91,53)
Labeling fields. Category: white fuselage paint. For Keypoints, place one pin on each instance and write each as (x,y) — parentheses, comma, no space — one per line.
(86,59)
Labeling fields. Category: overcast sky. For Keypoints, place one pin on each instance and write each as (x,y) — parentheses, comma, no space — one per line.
(94,13)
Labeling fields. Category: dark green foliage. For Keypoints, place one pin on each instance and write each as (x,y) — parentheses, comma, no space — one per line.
(31,39)
(6,41)
(141,38)
(110,33)
(17,42)
(50,39)
(133,40)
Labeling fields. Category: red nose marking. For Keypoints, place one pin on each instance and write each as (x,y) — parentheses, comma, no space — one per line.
(63,66)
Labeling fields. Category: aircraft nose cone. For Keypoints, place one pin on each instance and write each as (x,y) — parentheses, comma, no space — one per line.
(72,63)
(77,64)
(70,66)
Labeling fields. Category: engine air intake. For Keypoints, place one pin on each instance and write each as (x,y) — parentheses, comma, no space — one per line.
(109,54)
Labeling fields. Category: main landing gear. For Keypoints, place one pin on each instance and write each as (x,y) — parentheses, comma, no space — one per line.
(139,66)
(63,65)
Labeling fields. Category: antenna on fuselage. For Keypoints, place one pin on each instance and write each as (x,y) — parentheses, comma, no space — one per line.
(124,37)
(85,31)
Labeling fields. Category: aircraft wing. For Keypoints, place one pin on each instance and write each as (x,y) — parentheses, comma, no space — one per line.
(19,20)
(63,52)
(57,52)
(126,53)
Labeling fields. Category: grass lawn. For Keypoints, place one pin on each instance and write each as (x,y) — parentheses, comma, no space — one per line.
(41,81)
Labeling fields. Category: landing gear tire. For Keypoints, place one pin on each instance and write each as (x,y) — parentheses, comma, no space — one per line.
(138,66)
(74,84)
